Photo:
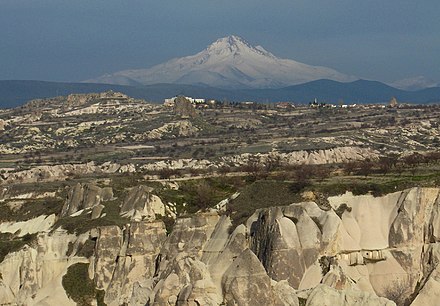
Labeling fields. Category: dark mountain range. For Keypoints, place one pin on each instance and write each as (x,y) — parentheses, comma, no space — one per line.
(14,93)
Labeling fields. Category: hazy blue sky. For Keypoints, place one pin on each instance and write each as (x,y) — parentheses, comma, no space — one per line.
(72,40)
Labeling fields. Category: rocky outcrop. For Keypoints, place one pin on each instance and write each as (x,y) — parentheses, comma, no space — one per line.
(280,251)
(193,260)
(125,261)
(10,193)
(284,295)
(140,204)
(184,108)
(430,290)
(185,281)
(289,240)
(107,249)
(314,157)
(62,172)
(39,224)
(183,128)
(190,235)
(85,196)
(33,275)
(323,295)
(329,156)
(59,172)
(186,163)
(246,282)
(380,249)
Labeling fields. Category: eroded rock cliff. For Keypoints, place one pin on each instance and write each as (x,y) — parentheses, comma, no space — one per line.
(375,251)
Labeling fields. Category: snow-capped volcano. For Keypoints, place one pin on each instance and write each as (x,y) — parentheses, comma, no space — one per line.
(229,62)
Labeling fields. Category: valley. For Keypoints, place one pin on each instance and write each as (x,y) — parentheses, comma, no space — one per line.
(109,200)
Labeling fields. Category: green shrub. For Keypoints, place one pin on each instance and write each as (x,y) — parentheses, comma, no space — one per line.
(79,287)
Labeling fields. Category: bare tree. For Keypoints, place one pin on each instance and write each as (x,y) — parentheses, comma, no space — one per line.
(204,195)
(399,291)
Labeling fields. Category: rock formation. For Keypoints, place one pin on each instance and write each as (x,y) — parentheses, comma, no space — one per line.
(381,248)
(33,275)
(85,196)
(184,108)
(141,204)
(184,128)
(324,295)
(60,172)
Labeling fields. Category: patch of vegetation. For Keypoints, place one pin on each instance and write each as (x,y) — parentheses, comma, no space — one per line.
(266,193)
(204,127)
(168,221)
(376,185)
(302,302)
(260,194)
(121,182)
(115,156)
(257,148)
(326,262)
(195,195)
(79,287)
(82,223)
(341,209)
(87,249)
(10,244)
(40,187)
(297,187)
(31,209)
(399,292)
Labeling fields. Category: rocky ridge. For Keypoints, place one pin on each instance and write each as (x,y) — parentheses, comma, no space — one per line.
(61,172)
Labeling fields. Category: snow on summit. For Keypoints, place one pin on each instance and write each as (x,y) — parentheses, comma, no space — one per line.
(229,62)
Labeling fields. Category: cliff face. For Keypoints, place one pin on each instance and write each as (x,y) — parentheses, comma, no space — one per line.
(360,251)
(33,274)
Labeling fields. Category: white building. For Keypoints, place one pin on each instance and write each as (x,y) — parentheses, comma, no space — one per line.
(170,101)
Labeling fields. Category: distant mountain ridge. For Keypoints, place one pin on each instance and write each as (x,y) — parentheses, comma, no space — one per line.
(15,93)
(228,63)
(415,83)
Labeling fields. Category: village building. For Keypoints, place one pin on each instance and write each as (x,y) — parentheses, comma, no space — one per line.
(170,101)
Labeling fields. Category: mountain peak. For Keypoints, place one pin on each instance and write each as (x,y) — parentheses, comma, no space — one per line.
(231,40)
(229,62)
(232,44)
